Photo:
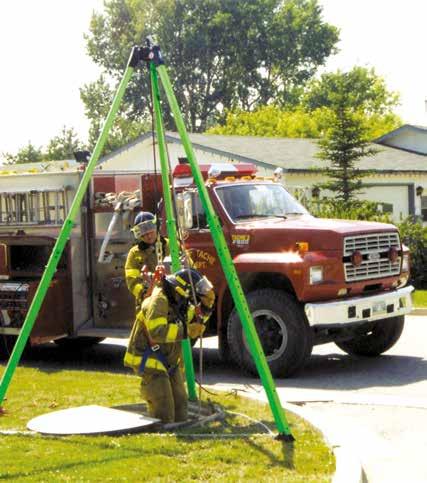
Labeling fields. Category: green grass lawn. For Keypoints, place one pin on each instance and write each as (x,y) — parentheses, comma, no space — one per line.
(147,457)
(419,298)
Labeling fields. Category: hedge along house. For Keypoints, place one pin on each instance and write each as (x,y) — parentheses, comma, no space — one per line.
(395,183)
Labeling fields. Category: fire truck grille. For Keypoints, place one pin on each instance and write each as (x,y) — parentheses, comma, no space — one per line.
(374,249)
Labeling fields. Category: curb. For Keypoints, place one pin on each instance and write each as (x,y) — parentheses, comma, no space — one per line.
(348,466)
(419,311)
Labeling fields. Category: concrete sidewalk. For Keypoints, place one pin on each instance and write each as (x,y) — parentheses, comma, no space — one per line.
(340,437)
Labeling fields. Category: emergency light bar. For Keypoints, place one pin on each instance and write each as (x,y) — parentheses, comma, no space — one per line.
(225,169)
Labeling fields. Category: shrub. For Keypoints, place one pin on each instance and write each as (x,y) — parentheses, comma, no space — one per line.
(356,210)
(414,236)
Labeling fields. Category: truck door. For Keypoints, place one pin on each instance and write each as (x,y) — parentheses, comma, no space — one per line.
(197,236)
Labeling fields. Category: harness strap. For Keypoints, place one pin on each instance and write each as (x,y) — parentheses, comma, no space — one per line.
(158,354)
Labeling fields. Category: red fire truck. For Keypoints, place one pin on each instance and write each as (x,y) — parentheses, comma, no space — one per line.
(308,281)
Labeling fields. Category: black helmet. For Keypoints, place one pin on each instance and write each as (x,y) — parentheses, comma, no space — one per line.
(144,222)
(183,279)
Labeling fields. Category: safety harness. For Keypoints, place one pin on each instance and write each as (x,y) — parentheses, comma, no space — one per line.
(155,351)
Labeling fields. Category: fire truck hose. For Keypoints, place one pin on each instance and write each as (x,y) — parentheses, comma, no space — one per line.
(123,202)
(107,237)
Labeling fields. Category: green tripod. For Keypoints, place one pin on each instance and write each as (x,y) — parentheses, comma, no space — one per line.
(151,54)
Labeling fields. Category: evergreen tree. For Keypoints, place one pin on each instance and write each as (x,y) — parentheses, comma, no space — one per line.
(344,143)
(63,146)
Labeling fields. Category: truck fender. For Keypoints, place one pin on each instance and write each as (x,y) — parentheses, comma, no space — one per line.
(249,276)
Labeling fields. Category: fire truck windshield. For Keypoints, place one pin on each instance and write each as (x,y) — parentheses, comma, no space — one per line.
(258,200)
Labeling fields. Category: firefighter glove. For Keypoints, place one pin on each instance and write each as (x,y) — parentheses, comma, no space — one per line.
(195,330)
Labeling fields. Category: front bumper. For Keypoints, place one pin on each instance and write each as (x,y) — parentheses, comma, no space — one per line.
(357,309)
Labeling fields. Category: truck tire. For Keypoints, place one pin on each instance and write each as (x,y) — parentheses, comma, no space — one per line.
(283,330)
(380,338)
(78,343)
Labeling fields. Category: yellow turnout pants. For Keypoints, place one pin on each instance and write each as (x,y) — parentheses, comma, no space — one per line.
(165,395)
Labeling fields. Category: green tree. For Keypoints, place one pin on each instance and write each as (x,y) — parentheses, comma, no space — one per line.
(361,89)
(97,98)
(63,146)
(344,143)
(352,99)
(27,154)
(272,121)
(220,54)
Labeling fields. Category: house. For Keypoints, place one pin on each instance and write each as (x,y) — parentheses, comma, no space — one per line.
(414,140)
(398,177)
(407,137)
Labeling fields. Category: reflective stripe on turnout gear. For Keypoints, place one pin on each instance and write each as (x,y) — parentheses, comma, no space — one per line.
(132,272)
(153,324)
(137,290)
(134,361)
(172,333)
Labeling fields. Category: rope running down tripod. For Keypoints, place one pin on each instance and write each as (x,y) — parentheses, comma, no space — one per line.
(159,251)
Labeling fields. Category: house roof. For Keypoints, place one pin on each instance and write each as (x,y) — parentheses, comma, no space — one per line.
(400,130)
(292,154)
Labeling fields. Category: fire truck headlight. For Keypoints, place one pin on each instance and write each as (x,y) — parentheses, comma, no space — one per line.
(316,275)
(405,263)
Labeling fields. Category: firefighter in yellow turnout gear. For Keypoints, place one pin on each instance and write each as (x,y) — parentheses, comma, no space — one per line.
(144,253)
(154,350)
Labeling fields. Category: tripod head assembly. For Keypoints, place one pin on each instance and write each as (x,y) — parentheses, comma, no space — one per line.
(148,53)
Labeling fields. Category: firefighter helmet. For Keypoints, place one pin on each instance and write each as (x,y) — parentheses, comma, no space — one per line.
(184,279)
(144,223)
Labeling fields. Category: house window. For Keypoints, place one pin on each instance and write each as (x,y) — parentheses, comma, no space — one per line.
(424,207)
(387,208)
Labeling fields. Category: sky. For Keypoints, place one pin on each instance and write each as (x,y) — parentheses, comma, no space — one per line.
(44,60)
(391,36)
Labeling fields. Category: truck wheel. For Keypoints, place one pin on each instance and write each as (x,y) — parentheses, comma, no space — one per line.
(283,330)
(76,343)
(380,338)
